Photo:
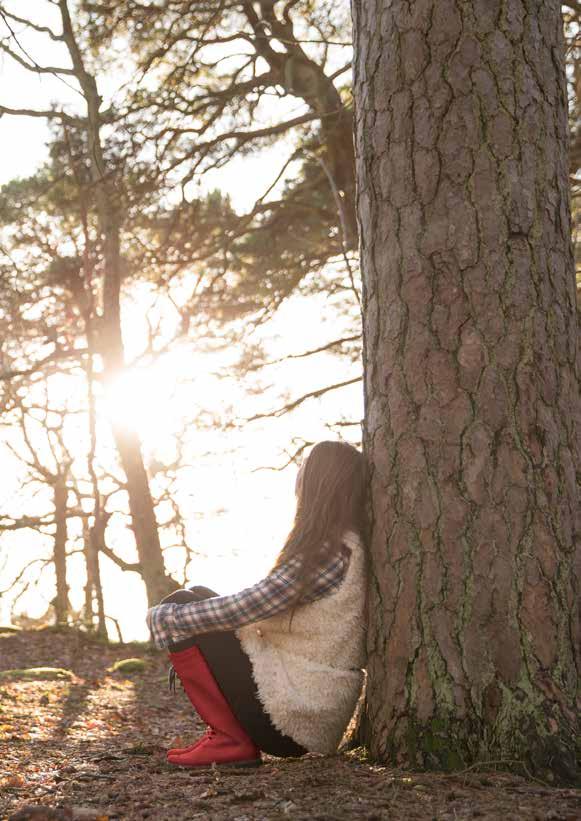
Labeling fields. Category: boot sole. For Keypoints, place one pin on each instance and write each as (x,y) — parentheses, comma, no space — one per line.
(241,764)
(228,765)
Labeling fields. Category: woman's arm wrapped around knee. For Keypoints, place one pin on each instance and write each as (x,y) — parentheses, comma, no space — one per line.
(171,622)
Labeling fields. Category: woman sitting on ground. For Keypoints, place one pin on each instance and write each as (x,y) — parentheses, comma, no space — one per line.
(278,667)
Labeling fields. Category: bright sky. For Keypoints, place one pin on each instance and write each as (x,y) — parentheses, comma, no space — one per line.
(257,505)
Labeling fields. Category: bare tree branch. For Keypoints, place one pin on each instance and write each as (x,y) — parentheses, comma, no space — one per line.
(34,67)
(335,343)
(42,29)
(49,115)
(133,566)
(25,522)
(243,137)
(295,403)
(341,71)
(53,357)
(20,575)
(292,457)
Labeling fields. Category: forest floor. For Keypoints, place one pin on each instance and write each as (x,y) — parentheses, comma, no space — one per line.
(91,746)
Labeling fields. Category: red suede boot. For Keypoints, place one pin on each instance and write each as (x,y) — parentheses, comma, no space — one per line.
(180,750)
(226,742)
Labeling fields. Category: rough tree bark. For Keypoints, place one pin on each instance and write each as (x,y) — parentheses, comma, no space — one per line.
(472,391)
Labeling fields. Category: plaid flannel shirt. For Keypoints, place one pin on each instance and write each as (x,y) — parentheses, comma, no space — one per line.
(170,623)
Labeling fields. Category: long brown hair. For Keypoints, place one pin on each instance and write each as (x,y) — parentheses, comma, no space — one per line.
(330,501)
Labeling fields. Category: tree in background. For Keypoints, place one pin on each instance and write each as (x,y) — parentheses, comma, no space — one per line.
(230,82)
(472,393)
(52,411)
(218,81)
(224,266)
(93,221)
(91,280)
(39,449)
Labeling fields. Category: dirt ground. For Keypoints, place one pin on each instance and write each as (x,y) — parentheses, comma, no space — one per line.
(91,746)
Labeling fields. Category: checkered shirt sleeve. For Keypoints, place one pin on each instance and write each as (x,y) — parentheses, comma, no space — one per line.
(170,623)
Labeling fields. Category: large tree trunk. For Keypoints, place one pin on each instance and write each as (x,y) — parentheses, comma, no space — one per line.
(472,392)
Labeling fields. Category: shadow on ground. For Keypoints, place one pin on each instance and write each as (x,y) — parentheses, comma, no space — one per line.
(94,747)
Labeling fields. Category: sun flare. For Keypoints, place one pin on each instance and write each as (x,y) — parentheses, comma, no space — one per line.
(156,399)
(142,399)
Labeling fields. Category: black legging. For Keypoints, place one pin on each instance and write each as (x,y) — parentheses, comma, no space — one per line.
(232,670)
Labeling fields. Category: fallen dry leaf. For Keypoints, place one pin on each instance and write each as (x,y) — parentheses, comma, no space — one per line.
(13,781)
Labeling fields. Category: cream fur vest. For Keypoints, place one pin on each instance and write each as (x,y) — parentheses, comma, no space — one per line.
(309,678)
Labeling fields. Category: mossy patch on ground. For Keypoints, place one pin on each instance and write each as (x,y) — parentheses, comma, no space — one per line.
(128,666)
(37,674)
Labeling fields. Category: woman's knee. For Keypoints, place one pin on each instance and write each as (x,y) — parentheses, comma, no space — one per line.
(193,594)
(203,592)
(180,597)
